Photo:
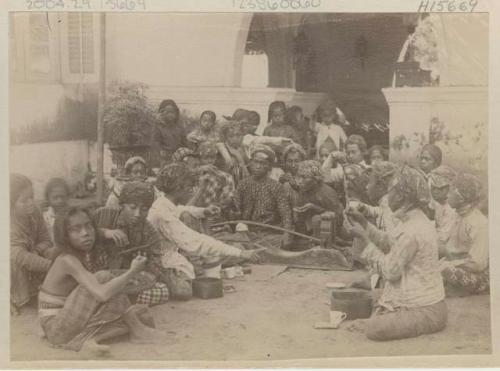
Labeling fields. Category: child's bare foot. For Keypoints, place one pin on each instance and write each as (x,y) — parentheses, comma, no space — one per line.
(92,349)
(148,335)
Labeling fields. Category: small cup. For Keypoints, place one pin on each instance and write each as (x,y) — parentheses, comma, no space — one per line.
(230,272)
(336,317)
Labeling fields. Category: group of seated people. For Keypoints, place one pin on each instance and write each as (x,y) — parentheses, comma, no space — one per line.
(418,232)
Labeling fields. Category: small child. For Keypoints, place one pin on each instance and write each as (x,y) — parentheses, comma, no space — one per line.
(329,126)
(206,132)
(57,193)
(377,153)
(355,148)
(278,126)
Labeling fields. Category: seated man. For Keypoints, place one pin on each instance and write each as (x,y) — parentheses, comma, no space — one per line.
(465,267)
(175,181)
(126,227)
(261,199)
(78,309)
(315,200)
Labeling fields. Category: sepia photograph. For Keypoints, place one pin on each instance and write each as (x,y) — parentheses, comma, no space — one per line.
(248,186)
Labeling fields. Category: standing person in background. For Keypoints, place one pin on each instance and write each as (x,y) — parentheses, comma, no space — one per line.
(430,158)
(206,132)
(169,132)
(465,268)
(329,127)
(278,126)
(440,180)
(57,193)
(31,250)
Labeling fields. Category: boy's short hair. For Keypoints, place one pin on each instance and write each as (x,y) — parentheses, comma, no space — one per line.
(358,140)
(137,192)
(54,183)
(174,176)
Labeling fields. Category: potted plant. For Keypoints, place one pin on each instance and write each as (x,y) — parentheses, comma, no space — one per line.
(128,122)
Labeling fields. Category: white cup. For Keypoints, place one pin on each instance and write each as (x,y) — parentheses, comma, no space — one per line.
(336,317)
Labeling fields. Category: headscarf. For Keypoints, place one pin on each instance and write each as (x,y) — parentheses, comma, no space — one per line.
(132,161)
(207,149)
(181,153)
(171,176)
(412,184)
(469,187)
(382,169)
(435,152)
(266,150)
(18,183)
(442,176)
(294,147)
(137,192)
(311,169)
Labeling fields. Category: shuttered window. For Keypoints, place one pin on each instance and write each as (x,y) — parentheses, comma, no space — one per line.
(81,58)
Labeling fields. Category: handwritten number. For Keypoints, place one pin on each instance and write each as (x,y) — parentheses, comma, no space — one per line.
(318,3)
(451,6)
(473,4)
(29,3)
(251,4)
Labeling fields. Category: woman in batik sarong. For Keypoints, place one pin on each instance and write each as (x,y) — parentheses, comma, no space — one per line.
(79,309)
(466,265)
(31,250)
(412,301)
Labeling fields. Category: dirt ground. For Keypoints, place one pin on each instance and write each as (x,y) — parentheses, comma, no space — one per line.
(270,317)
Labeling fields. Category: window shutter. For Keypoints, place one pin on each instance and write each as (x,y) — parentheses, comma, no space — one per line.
(80,48)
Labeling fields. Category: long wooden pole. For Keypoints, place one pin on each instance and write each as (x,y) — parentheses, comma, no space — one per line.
(100,110)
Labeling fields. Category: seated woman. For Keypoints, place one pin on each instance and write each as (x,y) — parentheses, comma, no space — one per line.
(134,169)
(440,180)
(430,158)
(315,199)
(293,154)
(412,301)
(79,309)
(31,250)
(215,187)
(206,132)
(465,266)
(126,227)
(56,195)
(232,137)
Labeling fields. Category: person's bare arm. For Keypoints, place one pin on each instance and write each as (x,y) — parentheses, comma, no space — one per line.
(102,291)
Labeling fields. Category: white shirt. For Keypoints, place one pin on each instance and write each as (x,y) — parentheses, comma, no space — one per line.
(164,216)
(333,131)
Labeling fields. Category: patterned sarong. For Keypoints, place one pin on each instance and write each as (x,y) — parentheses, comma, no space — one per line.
(69,322)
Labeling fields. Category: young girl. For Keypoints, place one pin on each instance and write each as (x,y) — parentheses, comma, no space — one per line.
(56,195)
(31,250)
(232,138)
(79,309)
(377,153)
(206,132)
(295,118)
(278,127)
(329,126)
